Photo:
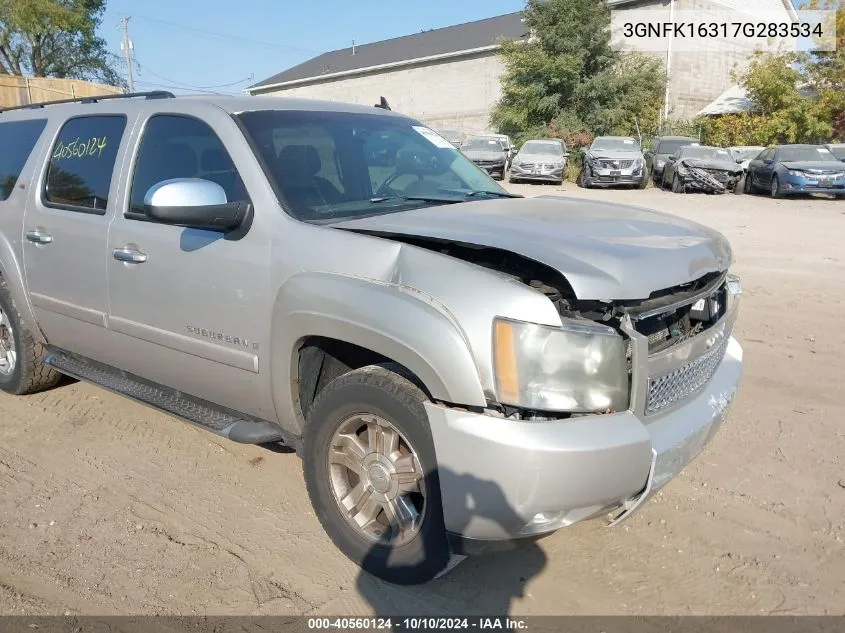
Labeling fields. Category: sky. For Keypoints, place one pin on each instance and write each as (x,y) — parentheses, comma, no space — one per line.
(209,45)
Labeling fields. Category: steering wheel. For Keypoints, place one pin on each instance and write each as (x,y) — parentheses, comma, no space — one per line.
(385,190)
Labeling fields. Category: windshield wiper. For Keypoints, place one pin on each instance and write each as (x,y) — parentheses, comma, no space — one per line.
(419,198)
(497,194)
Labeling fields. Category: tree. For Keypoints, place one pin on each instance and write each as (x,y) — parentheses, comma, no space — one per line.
(826,69)
(55,38)
(786,107)
(568,78)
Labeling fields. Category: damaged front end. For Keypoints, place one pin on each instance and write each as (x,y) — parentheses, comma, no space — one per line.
(667,332)
(697,175)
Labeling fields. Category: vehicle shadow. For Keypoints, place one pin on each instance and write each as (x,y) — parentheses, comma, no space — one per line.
(480,585)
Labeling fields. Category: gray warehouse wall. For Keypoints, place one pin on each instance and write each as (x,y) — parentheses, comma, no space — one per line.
(455,94)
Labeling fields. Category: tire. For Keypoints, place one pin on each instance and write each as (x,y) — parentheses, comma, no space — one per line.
(663,181)
(21,371)
(677,187)
(775,188)
(643,183)
(739,187)
(376,393)
(582,180)
(748,184)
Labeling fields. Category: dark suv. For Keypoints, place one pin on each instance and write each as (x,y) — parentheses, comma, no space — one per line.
(661,148)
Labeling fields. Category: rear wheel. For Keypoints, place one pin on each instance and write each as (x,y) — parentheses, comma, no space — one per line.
(21,369)
(371,474)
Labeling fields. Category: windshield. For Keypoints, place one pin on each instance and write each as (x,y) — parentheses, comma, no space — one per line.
(670,147)
(805,154)
(838,151)
(711,153)
(484,144)
(615,143)
(546,148)
(328,166)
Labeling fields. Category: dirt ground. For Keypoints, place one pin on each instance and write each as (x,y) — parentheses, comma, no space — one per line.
(107,507)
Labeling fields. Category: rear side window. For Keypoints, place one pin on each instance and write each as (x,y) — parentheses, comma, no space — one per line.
(82,162)
(175,146)
(17,139)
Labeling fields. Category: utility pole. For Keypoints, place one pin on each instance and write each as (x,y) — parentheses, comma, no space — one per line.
(127,47)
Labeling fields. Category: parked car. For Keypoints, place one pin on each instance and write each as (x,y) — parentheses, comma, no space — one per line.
(508,144)
(792,169)
(838,150)
(663,147)
(744,154)
(540,159)
(612,161)
(455,137)
(702,168)
(489,153)
(459,368)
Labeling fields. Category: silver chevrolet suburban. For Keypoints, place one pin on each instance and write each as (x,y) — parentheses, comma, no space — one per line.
(460,369)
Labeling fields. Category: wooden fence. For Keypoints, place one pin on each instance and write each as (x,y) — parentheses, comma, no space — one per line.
(16,91)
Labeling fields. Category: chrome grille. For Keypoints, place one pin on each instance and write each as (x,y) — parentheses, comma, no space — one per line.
(668,389)
(616,164)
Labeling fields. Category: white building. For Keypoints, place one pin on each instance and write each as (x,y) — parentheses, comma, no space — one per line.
(449,77)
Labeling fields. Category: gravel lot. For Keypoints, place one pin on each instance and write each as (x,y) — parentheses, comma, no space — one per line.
(108,507)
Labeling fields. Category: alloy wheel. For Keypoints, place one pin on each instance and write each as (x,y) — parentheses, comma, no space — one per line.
(8,352)
(376,480)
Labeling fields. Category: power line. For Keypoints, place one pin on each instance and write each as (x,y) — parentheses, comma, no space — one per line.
(197,90)
(192,86)
(226,36)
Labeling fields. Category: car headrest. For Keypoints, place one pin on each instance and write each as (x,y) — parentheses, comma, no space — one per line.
(215,159)
(297,162)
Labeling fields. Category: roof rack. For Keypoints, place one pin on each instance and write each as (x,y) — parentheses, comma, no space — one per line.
(154,94)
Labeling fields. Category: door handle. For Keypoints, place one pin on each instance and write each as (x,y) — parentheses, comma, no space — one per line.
(38,237)
(129,255)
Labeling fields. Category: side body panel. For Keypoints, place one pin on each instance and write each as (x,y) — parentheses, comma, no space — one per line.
(66,278)
(195,315)
(12,211)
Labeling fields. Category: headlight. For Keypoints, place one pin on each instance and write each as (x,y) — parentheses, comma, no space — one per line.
(799,174)
(578,367)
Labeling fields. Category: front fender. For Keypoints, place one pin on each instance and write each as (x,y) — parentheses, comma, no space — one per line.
(398,322)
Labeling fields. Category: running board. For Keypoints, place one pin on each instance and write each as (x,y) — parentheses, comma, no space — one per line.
(206,415)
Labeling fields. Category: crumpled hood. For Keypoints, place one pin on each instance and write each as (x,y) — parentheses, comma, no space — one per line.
(705,163)
(543,159)
(606,251)
(621,154)
(475,154)
(818,167)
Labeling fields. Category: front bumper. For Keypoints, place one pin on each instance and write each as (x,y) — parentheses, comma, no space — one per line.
(533,173)
(609,177)
(495,169)
(504,480)
(799,185)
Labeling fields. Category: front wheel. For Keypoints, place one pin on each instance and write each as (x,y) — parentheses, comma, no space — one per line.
(748,183)
(582,180)
(371,473)
(775,188)
(677,187)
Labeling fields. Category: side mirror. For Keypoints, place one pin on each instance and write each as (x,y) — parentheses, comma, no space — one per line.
(567,154)
(739,161)
(194,203)
(673,157)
